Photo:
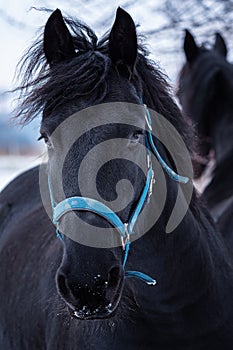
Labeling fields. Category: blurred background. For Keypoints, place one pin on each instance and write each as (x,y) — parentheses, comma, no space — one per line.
(161,22)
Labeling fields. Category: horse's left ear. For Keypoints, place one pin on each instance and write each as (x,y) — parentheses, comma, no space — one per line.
(123,40)
(220,45)
(58,42)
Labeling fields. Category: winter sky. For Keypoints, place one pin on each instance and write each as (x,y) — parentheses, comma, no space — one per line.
(19,23)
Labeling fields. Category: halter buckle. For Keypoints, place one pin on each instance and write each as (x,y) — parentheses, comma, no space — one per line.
(152,181)
(125,240)
(147,120)
(148,158)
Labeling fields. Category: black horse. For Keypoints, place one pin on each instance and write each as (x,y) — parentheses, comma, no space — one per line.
(47,286)
(205,92)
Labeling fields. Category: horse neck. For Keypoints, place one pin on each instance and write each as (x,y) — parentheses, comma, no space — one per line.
(221,133)
(191,266)
(222,137)
(218,112)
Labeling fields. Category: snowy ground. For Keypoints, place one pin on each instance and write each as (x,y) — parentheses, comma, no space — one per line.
(11,166)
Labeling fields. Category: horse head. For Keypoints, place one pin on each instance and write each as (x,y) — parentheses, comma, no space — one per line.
(105,147)
(90,278)
(203,88)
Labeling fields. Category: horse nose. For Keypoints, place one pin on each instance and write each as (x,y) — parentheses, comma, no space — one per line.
(92,297)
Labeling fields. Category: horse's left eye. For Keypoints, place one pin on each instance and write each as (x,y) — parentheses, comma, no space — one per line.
(137,135)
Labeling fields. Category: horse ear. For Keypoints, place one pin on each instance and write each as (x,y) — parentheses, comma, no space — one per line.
(58,42)
(190,47)
(220,45)
(123,40)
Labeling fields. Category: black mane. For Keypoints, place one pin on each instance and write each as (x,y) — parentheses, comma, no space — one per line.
(86,75)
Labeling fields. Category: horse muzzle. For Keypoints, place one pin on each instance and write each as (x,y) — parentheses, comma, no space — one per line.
(91,298)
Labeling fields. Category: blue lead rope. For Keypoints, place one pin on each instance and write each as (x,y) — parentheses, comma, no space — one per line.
(129,274)
(125,229)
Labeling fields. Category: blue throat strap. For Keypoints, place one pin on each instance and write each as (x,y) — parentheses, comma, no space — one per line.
(125,229)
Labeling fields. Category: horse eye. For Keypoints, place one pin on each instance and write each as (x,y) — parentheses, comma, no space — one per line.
(46,140)
(137,135)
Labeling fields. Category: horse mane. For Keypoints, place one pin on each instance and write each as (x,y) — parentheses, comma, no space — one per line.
(86,75)
(83,75)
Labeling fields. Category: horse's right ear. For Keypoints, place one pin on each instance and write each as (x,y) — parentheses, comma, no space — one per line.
(190,47)
(220,45)
(58,42)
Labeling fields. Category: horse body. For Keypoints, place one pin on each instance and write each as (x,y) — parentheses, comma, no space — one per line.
(206,96)
(47,285)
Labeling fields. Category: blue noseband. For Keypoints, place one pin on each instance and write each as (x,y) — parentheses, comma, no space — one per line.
(125,229)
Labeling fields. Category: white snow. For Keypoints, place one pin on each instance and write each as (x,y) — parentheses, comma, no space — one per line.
(12,166)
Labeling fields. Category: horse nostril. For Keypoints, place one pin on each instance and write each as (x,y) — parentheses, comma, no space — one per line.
(114,276)
(90,297)
(62,285)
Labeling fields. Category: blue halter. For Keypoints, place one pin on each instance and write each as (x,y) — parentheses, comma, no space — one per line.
(125,229)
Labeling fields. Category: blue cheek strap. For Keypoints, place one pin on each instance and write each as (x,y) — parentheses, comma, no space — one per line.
(125,229)
(169,171)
